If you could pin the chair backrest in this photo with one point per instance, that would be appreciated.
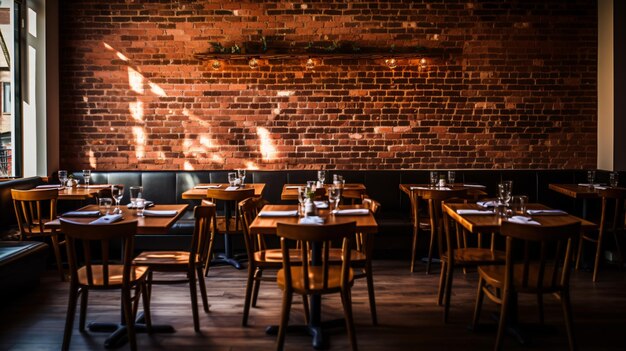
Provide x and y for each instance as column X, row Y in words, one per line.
column 373, row 205
column 234, row 195
column 315, row 250
column 612, row 199
column 33, row 208
column 249, row 209
column 203, row 232
column 90, row 236
column 538, row 257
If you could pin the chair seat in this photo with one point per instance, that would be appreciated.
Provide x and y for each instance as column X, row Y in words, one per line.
column 355, row 256
column 476, row 256
column 275, row 256
column 115, row 275
column 163, row 258
column 494, row 276
column 315, row 279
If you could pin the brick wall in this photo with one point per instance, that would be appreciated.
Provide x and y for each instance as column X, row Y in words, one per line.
column 509, row 85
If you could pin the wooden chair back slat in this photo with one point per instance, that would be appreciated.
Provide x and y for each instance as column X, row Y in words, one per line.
column 87, row 257
column 235, row 195
column 204, row 233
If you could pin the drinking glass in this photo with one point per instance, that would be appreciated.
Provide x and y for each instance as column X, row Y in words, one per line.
column 140, row 205
column 117, row 191
column 241, row 174
column 104, row 204
column 434, row 178
column 310, row 185
column 62, row 177
column 613, row 179
column 518, row 205
column 86, row 176
column 321, row 176
column 338, row 180
column 232, row 178
column 504, row 191
column 451, row 176
column 334, row 196
column 135, row 192
column 591, row 177
column 301, row 199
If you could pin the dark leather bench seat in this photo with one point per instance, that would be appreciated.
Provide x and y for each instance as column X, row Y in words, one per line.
column 21, row 265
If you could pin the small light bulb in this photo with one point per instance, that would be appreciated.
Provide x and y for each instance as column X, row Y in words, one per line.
column 422, row 63
column 216, row 65
column 391, row 63
column 310, row 64
column 253, row 63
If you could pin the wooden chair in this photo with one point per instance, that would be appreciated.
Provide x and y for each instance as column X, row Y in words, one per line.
column 103, row 275
column 538, row 260
column 456, row 253
column 612, row 199
column 315, row 273
column 189, row 262
column 33, row 209
column 224, row 223
column 433, row 198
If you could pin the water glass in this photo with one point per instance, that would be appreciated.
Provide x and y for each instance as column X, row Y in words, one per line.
column 104, row 204
column 518, row 205
column 117, row 191
column 310, row 185
column 241, row 174
column 614, row 179
column 232, row 178
column 338, row 180
column 451, row 177
column 434, row 178
column 321, row 176
column 86, row 176
column 334, row 196
column 504, row 192
column 140, row 205
column 135, row 192
column 62, row 177
column 591, row 178
column 301, row 199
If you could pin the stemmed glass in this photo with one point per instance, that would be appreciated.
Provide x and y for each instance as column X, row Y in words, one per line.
column 321, row 176
column 591, row 177
column 117, row 191
column 504, row 192
column 62, row 177
column 334, row 196
column 86, row 177
column 241, row 174
column 301, row 199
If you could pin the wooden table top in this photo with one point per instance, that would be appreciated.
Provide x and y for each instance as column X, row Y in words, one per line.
column 480, row 223
column 472, row 189
column 267, row 225
column 199, row 194
column 351, row 190
column 575, row 191
column 81, row 192
column 145, row 225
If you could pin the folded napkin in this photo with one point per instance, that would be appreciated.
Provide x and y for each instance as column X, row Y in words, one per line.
column 587, row 184
column 108, row 219
column 443, row 188
column 490, row 203
column 321, row 204
column 208, row 186
column 81, row 214
column 50, row 186
column 95, row 186
column 546, row 212
column 293, row 186
column 146, row 204
column 312, row 220
column 420, row 188
column 474, row 212
column 278, row 213
column 232, row 188
column 474, row 186
column 601, row 187
column 159, row 213
column 352, row 212
column 523, row 220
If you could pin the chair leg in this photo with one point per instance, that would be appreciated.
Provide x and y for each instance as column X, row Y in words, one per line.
column 596, row 263
column 480, row 294
column 194, row 301
column 567, row 313
column 540, row 307
column 370, row 292
column 448, row 292
column 284, row 320
column 257, row 284
column 128, row 316
column 209, row 257
column 146, row 306
column 84, row 296
column 248, row 298
column 442, row 280
column 57, row 255
column 347, row 310
column 69, row 318
column 305, row 305
column 503, row 319
column 205, row 300
column 414, row 252
column 580, row 251
column 430, row 249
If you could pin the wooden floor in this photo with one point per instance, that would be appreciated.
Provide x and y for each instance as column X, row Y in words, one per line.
column 409, row 317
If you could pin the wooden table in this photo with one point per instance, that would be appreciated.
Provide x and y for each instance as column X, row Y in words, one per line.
column 145, row 225
column 267, row 225
column 350, row 191
column 199, row 194
column 576, row 191
column 80, row 192
column 476, row 191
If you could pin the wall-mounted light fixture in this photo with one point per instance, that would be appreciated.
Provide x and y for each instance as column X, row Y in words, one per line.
column 253, row 63
column 391, row 63
column 310, row 64
column 216, row 65
column 423, row 63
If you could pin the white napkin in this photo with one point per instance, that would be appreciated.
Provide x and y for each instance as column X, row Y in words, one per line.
column 81, row 214
column 352, row 212
column 312, row 220
column 491, row 203
column 474, row 212
column 443, row 188
column 587, row 184
column 546, row 212
column 208, row 186
column 146, row 204
column 278, row 213
column 321, row 204
column 293, row 186
column 232, row 188
column 50, row 186
column 523, row 220
column 95, row 186
column 108, row 219
column 474, row 186
column 420, row 188
column 160, row 213
column 601, row 187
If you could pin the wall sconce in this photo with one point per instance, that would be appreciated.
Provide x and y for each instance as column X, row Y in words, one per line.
column 422, row 63
column 310, row 64
column 216, row 65
column 391, row 63
column 253, row 63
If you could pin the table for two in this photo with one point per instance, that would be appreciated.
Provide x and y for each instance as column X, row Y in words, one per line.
column 350, row 191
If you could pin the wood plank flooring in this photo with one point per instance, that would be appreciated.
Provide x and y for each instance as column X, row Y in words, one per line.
column 408, row 315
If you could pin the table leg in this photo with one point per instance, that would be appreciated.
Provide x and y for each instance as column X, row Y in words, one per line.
column 118, row 331
column 228, row 257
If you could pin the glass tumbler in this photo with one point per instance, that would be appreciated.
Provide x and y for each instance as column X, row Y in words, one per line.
column 518, row 205
column 104, row 205
column 140, row 205
column 135, row 192
column 62, row 177
column 614, row 179
column 434, row 178
column 451, row 176
column 591, row 177
column 232, row 178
